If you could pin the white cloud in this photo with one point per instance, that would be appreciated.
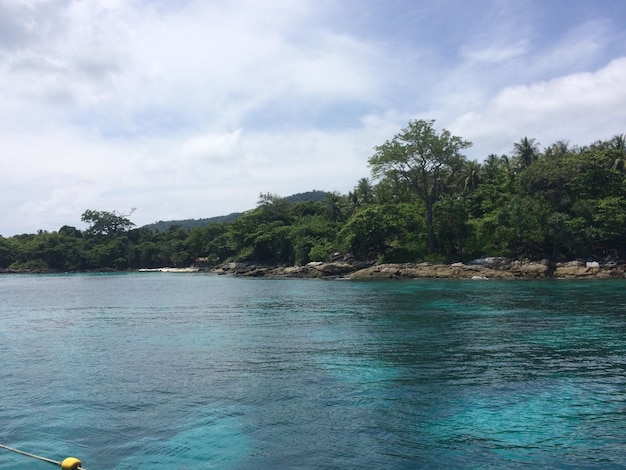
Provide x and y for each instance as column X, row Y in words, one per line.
column 581, row 108
column 496, row 53
column 211, row 146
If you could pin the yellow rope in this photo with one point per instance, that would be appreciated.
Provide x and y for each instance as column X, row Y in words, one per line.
column 69, row 463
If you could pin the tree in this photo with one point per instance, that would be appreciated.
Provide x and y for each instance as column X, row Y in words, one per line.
column 470, row 176
column 370, row 231
column 334, row 206
column 362, row 195
column 364, row 191
column 618, row 142
column 107, row 223
column 451, row 225
column 559, row 149
column 6, row 253
column 526, row 151
column 423, row 159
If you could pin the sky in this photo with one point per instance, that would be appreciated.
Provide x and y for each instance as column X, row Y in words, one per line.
column 193, row 108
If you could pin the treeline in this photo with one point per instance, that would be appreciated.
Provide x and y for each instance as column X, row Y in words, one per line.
column 425, row 202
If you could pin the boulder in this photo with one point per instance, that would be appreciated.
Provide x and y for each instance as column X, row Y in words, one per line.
column 491, row 262
column 335, row 268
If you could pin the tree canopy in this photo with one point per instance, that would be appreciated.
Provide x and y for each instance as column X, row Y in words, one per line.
column 106, row 223
column 424, row 159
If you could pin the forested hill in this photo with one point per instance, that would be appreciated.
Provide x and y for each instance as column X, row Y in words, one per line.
column 164, row 226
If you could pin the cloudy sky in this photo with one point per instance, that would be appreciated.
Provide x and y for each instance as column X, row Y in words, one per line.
column 191, row 108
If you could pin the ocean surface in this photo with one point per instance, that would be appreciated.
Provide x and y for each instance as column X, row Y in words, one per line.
column 199, row 371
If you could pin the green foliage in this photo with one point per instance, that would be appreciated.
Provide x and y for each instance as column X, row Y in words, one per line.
column 374, row 230
column 313, row 239
column 320, row 252
column 34, row 265
column 7, row 255
column 452, row 230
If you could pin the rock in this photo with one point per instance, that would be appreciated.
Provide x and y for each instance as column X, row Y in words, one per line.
column 491, row 261
column 533, row 269
column 338, row 268
column 292, row 270
column 257, row 272
column 570, row 264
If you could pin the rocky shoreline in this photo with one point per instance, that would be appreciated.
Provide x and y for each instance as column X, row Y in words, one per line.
column 484, row 268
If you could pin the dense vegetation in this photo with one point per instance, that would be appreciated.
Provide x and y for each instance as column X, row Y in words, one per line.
column 426, row 202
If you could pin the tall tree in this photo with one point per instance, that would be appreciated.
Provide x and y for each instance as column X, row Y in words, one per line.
column 423, row 158
column 559, row 149
column 364, row 191
column 494, row 168
column 362, row 194
column 334, row 202
column 618, row 142
column 107, row 223
column 526, row 151
column 470, row 175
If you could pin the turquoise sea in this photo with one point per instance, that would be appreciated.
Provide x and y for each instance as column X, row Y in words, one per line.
column 199, row 371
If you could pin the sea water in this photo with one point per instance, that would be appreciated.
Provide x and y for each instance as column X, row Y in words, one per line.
column 199, row 371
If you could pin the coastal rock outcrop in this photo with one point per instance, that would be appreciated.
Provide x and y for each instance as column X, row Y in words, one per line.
column 310, row 270
column 484, row 268
column 429, row 270
column 589, row 269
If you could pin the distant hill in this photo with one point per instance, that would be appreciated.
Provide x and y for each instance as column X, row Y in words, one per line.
column 308, row 196
column 164, row 226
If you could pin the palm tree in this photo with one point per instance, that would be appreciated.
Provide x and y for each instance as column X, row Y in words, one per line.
column 470, row 175
column 559, row 149
column 491, row 167
column 599, row 145
column 353, row 202
column 334, row 204
column 362, row 194
column 526, row 151
column 364, row 191
column 619, row 165
column 618, row 142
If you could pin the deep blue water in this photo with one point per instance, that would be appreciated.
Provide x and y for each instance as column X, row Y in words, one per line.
column 173, row 371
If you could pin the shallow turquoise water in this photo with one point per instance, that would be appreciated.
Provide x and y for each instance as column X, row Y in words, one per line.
column 172, row 371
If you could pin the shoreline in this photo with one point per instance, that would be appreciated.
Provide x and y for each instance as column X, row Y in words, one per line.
column 481, row 269
column 487, row 268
